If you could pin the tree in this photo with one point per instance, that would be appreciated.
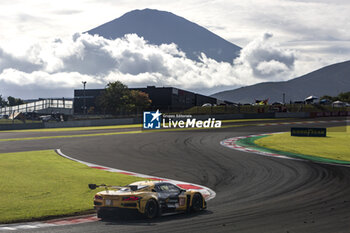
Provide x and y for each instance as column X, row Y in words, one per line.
column 140, row 99
column 3, row 102
column 345, row 97
column 12, row 101
column 327, row 97
column 117, row 98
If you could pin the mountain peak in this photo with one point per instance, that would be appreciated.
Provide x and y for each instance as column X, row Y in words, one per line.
column 162, row 27
column 147, row 11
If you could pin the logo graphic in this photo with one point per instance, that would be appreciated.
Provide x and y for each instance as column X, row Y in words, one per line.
column 151, row 120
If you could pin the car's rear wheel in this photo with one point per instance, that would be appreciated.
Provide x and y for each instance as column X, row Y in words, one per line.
column 197, row 202
column 103, row 214
column 151, row 209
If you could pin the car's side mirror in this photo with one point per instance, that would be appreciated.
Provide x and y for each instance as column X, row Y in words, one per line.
column 92, row 186
column 153, row 190
column 182, row 190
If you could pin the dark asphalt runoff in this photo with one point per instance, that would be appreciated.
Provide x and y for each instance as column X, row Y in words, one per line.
column 254, row 193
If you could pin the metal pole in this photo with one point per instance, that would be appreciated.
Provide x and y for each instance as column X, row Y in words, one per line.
column 84, row 84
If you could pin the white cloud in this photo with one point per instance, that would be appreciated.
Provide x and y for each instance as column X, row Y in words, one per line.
column 44, row 80
column 64, row 63
column 266, row 59
column 8, row 60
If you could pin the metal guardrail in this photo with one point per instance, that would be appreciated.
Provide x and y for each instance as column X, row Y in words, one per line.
column 38, row 106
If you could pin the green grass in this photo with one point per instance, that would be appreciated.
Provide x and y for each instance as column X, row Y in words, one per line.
column 8, row 121
column 335, row 146
column 39, row 184
column 71, row 136
column 77, row 128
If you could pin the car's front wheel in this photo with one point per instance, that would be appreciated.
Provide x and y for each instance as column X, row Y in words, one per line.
column 152, row 209
column 197, row 202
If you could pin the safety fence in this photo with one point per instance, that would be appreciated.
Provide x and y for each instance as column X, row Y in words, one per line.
column 38, row 106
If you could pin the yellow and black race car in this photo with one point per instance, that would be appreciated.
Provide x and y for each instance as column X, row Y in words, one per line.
column 150, row 198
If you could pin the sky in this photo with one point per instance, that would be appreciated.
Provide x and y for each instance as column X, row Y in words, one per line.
column 43, row 52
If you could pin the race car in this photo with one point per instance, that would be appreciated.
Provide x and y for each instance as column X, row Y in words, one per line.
column 150, row 198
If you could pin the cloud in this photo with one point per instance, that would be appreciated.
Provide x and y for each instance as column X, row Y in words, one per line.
column 8, row 60
column 323, row 1
column 67, row 12
column 266, row 59
column 63, row 63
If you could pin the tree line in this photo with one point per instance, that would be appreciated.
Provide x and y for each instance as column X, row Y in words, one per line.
column 343, row 96
column 10, row 101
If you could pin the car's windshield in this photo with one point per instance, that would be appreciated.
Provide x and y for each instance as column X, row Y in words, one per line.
column 134, row 187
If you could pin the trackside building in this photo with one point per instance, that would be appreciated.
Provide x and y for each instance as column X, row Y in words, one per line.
column 163, row 98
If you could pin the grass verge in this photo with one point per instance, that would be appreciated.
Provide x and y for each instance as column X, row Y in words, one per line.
column 76, row 128
column 40, row 184
column 8, row 121
column 335, row 146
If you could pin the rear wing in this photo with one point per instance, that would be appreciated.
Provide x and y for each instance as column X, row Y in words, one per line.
column 94, row 186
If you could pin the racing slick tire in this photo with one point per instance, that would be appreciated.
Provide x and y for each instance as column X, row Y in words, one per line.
column 152, row 209
column 197, row 202
column 103, row 214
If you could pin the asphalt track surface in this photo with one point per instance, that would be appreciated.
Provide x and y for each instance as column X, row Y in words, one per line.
column 253, row 193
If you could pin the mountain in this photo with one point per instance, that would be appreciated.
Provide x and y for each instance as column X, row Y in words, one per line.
column 330, row 80
column 159, row 27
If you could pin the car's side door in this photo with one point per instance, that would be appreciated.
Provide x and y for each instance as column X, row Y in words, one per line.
column 168, row 195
